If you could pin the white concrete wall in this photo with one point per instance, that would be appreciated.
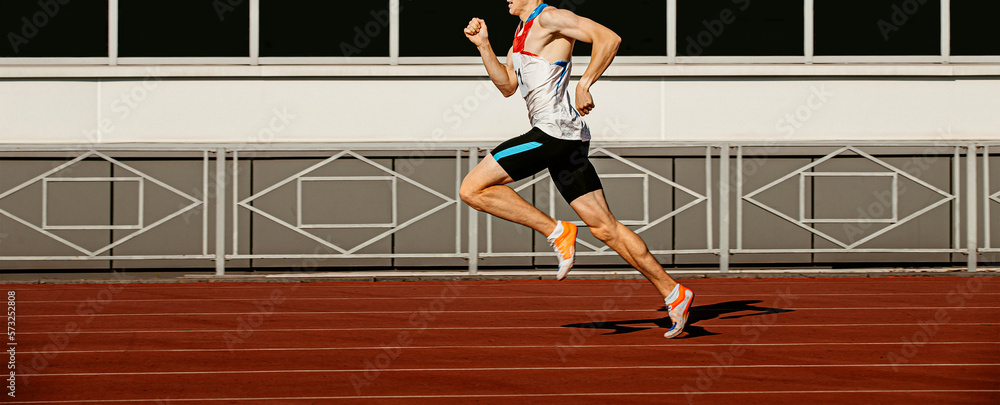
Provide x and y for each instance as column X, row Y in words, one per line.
column 468, row 108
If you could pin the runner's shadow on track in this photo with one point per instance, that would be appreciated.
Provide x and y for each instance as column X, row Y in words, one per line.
column 697, row 314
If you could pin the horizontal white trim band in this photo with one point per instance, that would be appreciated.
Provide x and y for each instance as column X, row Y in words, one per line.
column 12, row 71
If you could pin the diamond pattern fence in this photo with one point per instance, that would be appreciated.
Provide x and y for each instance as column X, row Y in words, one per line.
column 828, row 198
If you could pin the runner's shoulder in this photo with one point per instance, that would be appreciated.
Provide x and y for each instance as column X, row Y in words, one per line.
column 555, row 18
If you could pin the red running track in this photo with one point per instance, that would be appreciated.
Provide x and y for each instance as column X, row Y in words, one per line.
column 773, row 341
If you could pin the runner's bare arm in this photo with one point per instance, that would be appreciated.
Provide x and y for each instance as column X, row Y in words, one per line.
column 503, row 76
column 605, row 43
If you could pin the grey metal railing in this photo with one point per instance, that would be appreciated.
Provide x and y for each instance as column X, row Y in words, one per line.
column 726, row 184
column 990, row 197
column 61, row 172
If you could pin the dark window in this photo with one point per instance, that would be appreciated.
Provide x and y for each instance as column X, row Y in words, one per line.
column 324, row 28
column 54, row 28
column 975, row 27
column 878, row 27
column 434, row 28
column 184, row 28
column 642, row 24
column 740, row 28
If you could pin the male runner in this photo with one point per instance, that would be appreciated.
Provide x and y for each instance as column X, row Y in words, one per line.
column 539, row 64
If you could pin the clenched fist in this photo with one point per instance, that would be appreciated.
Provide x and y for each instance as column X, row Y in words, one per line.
column 584, row 100
column 476, row 32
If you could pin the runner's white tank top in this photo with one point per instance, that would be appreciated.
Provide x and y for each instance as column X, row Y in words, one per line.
column 545, row 88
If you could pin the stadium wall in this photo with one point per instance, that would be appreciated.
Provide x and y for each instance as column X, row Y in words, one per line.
column 162, row 104
column 649, row 115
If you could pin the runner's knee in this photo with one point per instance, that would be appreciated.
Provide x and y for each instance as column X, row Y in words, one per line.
column 604, row 233
column 470, row 194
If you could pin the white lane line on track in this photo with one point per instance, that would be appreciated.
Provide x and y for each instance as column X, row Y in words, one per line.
column 502, row 311
column 839, row 325
column 380, row 348
column 491, row 369
column 578, row 394
column 746, row 296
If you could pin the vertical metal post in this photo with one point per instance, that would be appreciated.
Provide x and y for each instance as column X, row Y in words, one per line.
column 671, row 31
column 113, row 32
column 987, row 243
column 458, row 199
column 724, row 208
column 489, row 234
column 254, row 32
column 393, row 32
column 810, row 30
column 739, row 197
column 45, row 203
column 945, row 31
column 956, row 190
column 236, row 197
column 708, row 194
column 204, row 203
column 473, row 222
column 220, row 212
column 970, row 192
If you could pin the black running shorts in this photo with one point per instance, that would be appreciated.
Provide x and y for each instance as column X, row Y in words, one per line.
column 567, row 161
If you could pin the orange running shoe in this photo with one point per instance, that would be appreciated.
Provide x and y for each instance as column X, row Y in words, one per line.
column 679, row 310
column 565, row 247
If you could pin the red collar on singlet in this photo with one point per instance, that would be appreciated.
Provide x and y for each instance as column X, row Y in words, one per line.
column 519, row 37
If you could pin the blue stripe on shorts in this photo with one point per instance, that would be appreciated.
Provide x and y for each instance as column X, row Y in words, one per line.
column 524, row 147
